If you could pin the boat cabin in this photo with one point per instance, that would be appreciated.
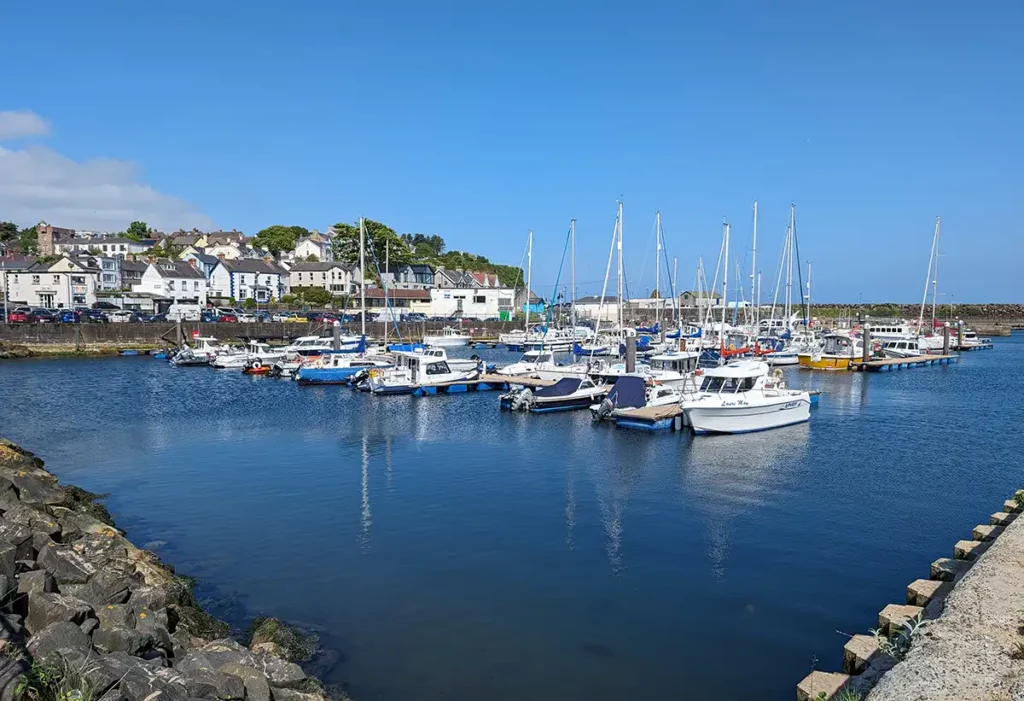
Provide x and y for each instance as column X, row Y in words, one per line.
column 838, row 344
column 683, row 362
column 890, row 331
column 738, row 376
column 905, row 348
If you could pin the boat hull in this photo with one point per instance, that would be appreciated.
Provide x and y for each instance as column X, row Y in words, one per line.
column 326, row 376
column 782, row 358
column 825, row 362
column 446, row 341
column 748, row 418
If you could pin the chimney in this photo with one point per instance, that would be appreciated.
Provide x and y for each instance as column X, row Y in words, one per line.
column 192, row 262
column 220, row 256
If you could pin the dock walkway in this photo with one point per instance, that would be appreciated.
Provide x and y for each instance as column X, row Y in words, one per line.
column 889, row 364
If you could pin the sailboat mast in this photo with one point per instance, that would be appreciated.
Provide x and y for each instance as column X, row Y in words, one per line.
column 935, row 276
column 789, row 263
column 657, row 269
column 387, row 309
column 675, row 290
column 619, row 248
column 529, row 278
column 928, row 277
column 808, row 294
column 725, row 285
column 362, row 273
column 572, row 293
column 755, row 300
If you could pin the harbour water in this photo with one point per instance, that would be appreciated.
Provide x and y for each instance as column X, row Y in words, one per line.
column 446, row 550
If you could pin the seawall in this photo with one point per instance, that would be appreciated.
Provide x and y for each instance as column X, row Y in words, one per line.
column 959, row 634
column 85, row 614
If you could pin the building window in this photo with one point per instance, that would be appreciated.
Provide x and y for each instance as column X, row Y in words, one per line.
column 479, row 299
column 56, row 279
column 196, row 286
column 170, row 285
column 78, row 279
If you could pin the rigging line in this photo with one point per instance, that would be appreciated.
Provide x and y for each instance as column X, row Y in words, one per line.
column 554, row 294
column 376, row 265
column 647, row 252
column 799, row 275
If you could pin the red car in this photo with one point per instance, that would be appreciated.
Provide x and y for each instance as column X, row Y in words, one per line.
column 230, row 318
column 21, row 315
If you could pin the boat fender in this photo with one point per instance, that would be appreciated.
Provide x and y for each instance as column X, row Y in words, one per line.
column 474, row 357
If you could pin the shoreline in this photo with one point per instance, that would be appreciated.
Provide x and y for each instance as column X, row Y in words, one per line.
column 82, row 609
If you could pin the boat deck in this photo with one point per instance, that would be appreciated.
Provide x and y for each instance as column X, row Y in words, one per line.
column 889, row 364
column 670, row 416
column 531, row 382
column 484, row 384
column 973, row 347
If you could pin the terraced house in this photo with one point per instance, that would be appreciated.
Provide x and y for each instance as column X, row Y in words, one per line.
column 62, row 284
column 173, row 282
column 248, row 279
column 336, row 278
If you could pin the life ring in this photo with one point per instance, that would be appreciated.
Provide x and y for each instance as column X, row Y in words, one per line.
column 732, row 346
column 257, row 365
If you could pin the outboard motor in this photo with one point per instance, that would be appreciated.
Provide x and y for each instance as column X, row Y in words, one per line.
column 605, row 409
column 522, row 401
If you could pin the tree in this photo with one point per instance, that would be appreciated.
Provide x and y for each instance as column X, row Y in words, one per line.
column 28, row 240
column 278, row 238
column 381, row 242
column 249, row 303
column 316, row 296
column 311, row 258
column 137, row 231
column 8, row 231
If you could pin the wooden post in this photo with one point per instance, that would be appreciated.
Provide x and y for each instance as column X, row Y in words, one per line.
column 867, row 343
column 336, row 342
column 945, row 338
column 631, row 353
column 179, row 334
column 959, row 333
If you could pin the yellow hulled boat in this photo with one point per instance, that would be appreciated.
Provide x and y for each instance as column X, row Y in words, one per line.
column 837, row 352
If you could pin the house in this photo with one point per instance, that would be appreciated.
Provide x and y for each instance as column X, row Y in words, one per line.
column 110, row 272
column 131, row 272
column 48, row 237
column 194, row 239
column 689, row 299
column 173, row 282
column 485, row 279
column 204, row 262
column 108, row 246
column 336, row 278
column 591, row 308
column 417, row 276
column 248, row 279
column 454, row 279
column 62, row 284
column 401, row 301
column 315, row 245
column 225, row 251
column 482, row 303
column 217, row 237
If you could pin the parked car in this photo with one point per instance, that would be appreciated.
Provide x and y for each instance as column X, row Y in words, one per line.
column 119, row 317
column 20, row 315
column 296, row 318
column 263, row 317
column 208, row 317
column 245, row 317
column 70, row 316
column 106, row 305
column 43, row 316
column 156, row 318
column 93, row 315
column 227, row 318
column 415, row 317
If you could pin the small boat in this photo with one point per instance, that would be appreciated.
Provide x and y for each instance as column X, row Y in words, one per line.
column 413, row 370
column 206, row 349
column 307, row 346
column 449, row 337
column 337, row 368
column 674, row 368
column 455, row 364
column 530, row 363
column 128, row 351
column 904, row 348
column 836, row 352
column 566, row 394
column 287, row 366
column 628, row 392
column 743, row 397
column 160, row 355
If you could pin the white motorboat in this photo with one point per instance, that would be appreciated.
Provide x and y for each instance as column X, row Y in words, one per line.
column 456, row 364
column 448, row 337
column 674, row 368
column 309, row 345
column 904, row 348
column 531, row 362
column 335, row 368
column 631, row 392
column 206, row 348
column 418, row 369
column 240, row 357
column 742, row 397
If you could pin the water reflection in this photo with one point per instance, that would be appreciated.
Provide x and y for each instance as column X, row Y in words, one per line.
column 365, row 516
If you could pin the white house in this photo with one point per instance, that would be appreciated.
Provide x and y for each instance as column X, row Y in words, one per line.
column 107, row 246
column 313, row 245
column 248, row 279
column 591, row 308
column 62, row 284
column 227, row 251
column 175, row 281
column 480, row 303
column 336, row 278
column 203, row 262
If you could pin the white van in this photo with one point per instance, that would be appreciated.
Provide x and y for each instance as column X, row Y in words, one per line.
column 184, row 312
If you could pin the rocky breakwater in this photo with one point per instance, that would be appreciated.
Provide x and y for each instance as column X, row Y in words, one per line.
column 10, row 350
column 84, row 614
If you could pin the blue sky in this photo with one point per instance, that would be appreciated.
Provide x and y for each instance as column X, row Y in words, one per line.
column 479, row 121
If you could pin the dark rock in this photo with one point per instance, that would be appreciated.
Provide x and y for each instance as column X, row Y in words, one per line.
column 33, row 490
column 279, row 638
column 227, row 651
column 117, row 638
column 203, row 680
column 24, row 515
column 279, row 673
column 89, row 625
column 102, row 672
column 115, row 615
column 157, row 634
column 12, row 670
column 257, row 688
column 153, row 598
column 294, row 695
column 181, row 642
column 104, row 588
column 67, row 566
column 57, row 641
column 100, row 549
column 48, row 526
column 142, row 682
column 10, row 629
column 45, row 608
column 20, row 537
column 27, row 565
column 7, row 587
column 8, row 554
column 36, row 581
column 156, row 657
column 144, row 616
column 200, row 624
column 39, row 541
column 113, row 694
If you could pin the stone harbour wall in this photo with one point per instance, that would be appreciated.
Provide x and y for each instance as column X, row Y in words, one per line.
column 84, row 614
column 967, row 620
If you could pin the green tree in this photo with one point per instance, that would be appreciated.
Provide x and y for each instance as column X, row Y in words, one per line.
column 8, row 231
column 249, row 303
column 381, row 242
column 28, row 240
column 316, row 296
column 137, row 231
column 278, row 238
column 311, row 258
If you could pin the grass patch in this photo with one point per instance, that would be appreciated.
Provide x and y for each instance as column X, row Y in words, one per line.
column 49, row 683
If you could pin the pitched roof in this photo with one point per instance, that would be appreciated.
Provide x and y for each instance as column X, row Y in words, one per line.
column 135, row 266
column 304, row 267
column 595, row 299
column 17, row 262
column 177, row 269
column 253, row 266
column 97, row 241
column 207, row 259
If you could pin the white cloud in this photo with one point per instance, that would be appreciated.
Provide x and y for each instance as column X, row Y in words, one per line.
column 14, row 125
column 37, row 183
